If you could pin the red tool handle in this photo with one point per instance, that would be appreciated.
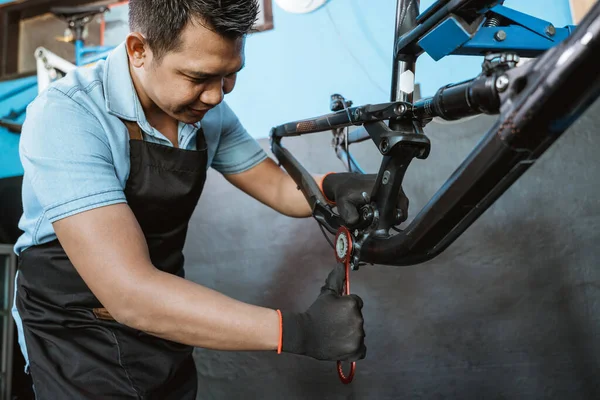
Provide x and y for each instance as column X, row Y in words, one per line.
column 346, row 379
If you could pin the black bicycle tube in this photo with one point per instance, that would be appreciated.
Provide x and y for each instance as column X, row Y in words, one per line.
column 425, row 15
column 340, row 119
column 352, row 116
column 299, row 174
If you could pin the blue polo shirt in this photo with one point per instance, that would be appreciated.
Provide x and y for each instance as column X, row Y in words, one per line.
column 75, row 149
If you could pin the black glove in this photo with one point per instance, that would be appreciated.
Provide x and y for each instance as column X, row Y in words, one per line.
column 346, row 190
column 331, row 329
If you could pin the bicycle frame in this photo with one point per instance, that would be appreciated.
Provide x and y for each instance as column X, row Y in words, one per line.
column 535, row 103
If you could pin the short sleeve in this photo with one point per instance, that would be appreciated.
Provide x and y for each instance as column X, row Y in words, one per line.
column 237, row 151
column 67, row 158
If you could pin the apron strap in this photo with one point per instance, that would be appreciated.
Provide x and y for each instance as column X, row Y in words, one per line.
column 102, row 313
column 135, row 133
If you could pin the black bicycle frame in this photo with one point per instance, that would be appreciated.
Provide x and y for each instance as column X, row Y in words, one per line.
column 536, row 103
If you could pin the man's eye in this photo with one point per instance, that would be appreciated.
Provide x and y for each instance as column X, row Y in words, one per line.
column 198, row 80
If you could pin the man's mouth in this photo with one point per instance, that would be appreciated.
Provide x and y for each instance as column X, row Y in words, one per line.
column 199, row 111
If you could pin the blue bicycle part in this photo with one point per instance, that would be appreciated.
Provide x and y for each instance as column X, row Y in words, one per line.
column 499, row 29
column 77, row 18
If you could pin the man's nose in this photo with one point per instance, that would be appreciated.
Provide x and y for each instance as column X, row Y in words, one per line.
column 213, row 95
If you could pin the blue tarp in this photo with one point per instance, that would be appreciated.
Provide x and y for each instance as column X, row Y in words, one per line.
column 15, row 95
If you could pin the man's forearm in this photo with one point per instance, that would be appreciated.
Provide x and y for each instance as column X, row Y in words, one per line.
column 109, row 251
column 175, row 309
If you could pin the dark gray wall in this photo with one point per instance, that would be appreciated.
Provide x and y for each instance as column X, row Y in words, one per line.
column 510, row 311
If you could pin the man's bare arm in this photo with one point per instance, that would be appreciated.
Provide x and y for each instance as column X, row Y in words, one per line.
column 272, row 186
column 108, row 249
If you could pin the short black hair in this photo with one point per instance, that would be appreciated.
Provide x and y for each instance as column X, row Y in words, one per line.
column 162, row 21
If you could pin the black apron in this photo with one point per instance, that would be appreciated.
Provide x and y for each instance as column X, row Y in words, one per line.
column 76, row 350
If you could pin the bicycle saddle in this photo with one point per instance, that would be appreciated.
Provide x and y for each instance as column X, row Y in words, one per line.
column 79, row 12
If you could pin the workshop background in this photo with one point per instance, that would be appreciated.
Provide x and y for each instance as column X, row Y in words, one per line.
column 509, row 311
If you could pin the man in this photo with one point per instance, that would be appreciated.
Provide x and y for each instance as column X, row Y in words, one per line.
column 115, row 159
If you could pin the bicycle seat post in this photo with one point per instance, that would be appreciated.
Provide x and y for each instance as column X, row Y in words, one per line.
column 77, row 18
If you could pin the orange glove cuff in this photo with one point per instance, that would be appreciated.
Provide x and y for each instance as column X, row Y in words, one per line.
column 321, row 187
column 279, row 347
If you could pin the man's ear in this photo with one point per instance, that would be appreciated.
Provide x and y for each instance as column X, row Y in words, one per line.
column 137, row 49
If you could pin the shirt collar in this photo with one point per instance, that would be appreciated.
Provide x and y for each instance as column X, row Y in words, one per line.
column 119, row 92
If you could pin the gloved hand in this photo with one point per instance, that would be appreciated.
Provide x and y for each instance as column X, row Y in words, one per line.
column 346, row 189
column 332, row 327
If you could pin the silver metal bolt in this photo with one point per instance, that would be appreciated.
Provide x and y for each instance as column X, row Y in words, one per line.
column 386, row 177
column 399, row 215
column 550, row 30
column 500, row 36
column 365, row 197
column 502, row 83
column 384, row 145
column 401, row 109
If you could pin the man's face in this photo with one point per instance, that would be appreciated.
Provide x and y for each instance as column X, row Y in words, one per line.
column 194, row 78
